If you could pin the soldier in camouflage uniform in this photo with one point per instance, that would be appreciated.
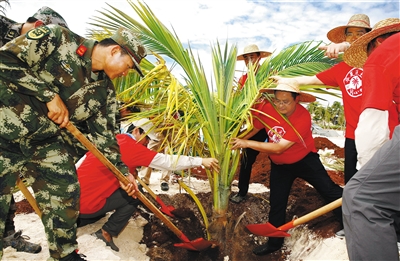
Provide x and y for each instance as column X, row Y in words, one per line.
column 48, row 77
column 10, row 30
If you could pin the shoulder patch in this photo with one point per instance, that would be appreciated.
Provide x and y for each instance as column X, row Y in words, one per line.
column 38, row 32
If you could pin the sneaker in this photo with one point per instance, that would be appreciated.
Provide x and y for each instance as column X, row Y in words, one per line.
column 237, row 198
column 99, row 235
column 164, row 186
column 340, row 233
column 73, row 257
column 19, row 242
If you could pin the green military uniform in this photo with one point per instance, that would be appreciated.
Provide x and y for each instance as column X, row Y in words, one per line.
column 10, row 30
column 33, row 68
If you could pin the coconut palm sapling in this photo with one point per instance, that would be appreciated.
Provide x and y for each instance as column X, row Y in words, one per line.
column 213, row 113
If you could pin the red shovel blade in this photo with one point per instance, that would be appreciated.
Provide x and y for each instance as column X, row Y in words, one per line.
column 266, row 230
column 164, row 208
column 198, row 244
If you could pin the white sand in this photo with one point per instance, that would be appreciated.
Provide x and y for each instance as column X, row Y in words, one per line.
column 303, row 244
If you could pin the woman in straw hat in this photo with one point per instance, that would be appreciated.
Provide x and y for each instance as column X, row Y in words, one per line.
column 371, row 203
column 342, row 36
column 373, row 95
column 292, row 152
column 251, row 55
column 349, row 80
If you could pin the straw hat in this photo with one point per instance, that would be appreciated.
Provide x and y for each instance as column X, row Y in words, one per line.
column 337, row 34
column 252, row 48
column 357, row 54
column 291, row 86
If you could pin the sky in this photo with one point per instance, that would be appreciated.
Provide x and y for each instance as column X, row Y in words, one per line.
column 272, row 25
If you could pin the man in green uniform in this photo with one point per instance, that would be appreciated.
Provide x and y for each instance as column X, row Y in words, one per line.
column 48, row 77
column 9, row 31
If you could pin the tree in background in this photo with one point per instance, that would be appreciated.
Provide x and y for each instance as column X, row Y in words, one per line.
column 327, row 116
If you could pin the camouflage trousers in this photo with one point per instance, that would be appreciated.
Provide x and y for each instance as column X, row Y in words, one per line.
column 31, row 144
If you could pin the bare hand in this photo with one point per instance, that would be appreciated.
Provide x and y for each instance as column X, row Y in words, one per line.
column 238, row 143
column 211, row 163
column 130, row 188
column 279, row 79
column 58, row 112
column 332, row 50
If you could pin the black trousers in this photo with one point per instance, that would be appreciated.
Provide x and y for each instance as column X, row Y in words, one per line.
column 350, row 159
column 124, row 207
column 246, row 163
column 282, row 177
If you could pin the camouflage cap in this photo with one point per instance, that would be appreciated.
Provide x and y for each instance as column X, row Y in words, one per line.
column 49, row 16
column 127, row 40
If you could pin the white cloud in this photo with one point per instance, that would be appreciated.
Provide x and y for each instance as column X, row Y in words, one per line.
column 272, row 25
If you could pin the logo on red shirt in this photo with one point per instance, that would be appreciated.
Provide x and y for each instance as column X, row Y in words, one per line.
column 353, row 82
column 276, row 133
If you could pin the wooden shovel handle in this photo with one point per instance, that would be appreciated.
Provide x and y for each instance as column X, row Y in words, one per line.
column 78, row 135
column 146, row 187
column 28, row 196
column 319, row 212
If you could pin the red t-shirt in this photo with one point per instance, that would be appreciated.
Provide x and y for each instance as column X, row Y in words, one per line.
column 382, row 80
column 258, row 103
column 349, row 79
column 301, row 121
column 98, row 182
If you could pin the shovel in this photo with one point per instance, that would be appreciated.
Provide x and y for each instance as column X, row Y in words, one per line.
column 199, row 244
column 164, row 208
column 268, row 230
column 28, row 196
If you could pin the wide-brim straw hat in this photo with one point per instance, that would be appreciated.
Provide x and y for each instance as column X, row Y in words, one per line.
column 338, row 34
column 291, row 86
column 357, row 55
column 252, row 48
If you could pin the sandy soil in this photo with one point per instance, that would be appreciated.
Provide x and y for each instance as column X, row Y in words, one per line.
column 158, row 242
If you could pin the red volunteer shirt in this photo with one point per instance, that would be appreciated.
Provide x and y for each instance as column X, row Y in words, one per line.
column 259, row 103
column 349, row 79
column 382, row 86
column 301, row 121
column 98, row 182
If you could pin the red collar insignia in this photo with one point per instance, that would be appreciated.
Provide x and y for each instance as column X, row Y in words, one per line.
column 81, row 50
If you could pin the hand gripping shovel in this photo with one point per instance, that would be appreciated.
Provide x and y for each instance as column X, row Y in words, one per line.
column 268, row 230
column 164, row 208
column 195, row 245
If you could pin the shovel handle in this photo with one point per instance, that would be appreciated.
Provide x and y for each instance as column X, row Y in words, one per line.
column 152, row 194
column 312, row 215
column 78, row 135
column 28, row 196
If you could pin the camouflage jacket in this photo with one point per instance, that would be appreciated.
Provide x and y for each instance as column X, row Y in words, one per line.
column 9, row 30
column 51, row 59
